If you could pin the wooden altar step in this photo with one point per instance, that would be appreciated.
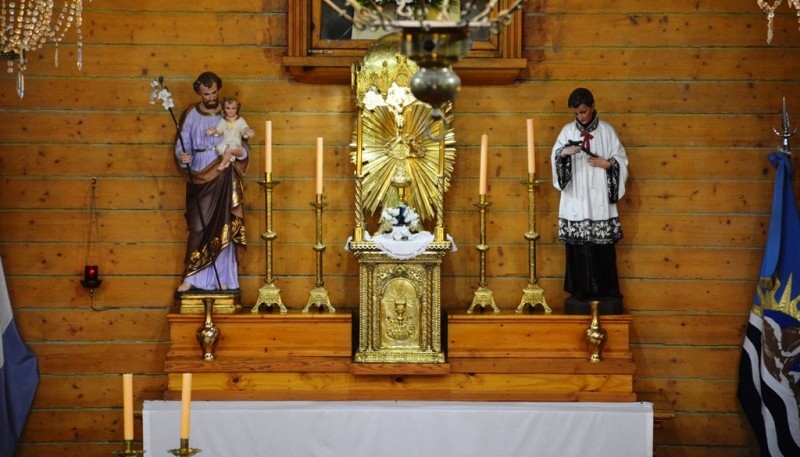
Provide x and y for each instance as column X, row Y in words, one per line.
column 503, row 357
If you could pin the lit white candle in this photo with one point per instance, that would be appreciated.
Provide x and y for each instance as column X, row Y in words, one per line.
column 484, row 152
column 127, row 405
column 268, row 147
column 186, row 403
column 319, row 165
column 531, row 153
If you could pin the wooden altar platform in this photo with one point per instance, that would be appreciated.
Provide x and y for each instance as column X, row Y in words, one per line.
column 490, row 357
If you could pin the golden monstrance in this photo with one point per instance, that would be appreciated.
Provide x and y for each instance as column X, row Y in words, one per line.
column 404, row 162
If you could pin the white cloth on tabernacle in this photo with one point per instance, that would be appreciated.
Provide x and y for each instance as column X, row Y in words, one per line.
column 584, row 197
column 400, row 244
column 401, row 249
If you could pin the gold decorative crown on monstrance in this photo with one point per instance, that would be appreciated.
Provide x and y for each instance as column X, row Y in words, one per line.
column 403, row 167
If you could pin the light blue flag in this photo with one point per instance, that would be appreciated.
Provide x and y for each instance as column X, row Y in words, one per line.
column 19, row 375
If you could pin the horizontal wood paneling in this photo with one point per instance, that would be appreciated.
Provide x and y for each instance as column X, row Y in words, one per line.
column 89, row 325
column 145, row 291
column 156, row 127
column 96, row 391
column 155, row 226
column 79, row 449
column 100, row 358
column 695, row 395
column 685, row 361
column 641, row 28
column 131, row 60
column 647, row 63
column 725, row 197
column 131, row 93
column 647, row 262
column 159, row 27
column 705, row 429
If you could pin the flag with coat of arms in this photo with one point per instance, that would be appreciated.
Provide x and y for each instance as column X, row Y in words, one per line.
column 769, row 368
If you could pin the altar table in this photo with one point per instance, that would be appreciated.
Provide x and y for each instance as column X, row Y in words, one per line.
column 402, row 428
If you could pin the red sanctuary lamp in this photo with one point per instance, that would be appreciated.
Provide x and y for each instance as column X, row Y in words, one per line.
column 91, row 271
column 91, row 277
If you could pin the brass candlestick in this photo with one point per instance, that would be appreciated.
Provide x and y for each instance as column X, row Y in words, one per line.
column 184, row 450
column 319, row 296
column 533, row 294
column 483, row 296
column 128, row 452
column 269, row 295
column 358, row 233
column 439, row 232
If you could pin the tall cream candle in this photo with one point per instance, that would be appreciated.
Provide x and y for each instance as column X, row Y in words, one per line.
column 531, row 153
column 484, row 152
column 186, row 404
column 319, row 165
column 268, row 148
column 127, row 405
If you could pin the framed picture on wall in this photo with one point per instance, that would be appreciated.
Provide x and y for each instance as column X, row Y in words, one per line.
column 322, row 46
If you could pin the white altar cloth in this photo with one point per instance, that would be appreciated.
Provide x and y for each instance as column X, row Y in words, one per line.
column 402, row 429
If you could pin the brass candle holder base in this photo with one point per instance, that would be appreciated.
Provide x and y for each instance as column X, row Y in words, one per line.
column 533, row 295
column 483, row 297
column 184, row 450
column 319, row 297
column 128, row 452
column 269, row 296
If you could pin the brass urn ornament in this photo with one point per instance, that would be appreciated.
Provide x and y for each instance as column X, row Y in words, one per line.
column 208, row 333
column 595, row 335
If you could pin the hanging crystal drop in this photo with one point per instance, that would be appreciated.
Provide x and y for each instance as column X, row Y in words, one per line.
column 56, row 56
column 770, row 17
column 80, row 58
column 20, row 84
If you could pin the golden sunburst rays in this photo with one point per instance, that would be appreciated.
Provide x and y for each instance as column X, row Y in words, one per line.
column 390, row 149
column 786, row 304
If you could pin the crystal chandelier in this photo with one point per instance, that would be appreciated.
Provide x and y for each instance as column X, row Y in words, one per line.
column 435, row 34
column 770, row 10
column 27, row 25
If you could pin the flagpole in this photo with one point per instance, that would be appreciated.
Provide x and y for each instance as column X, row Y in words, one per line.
column 768, row 401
